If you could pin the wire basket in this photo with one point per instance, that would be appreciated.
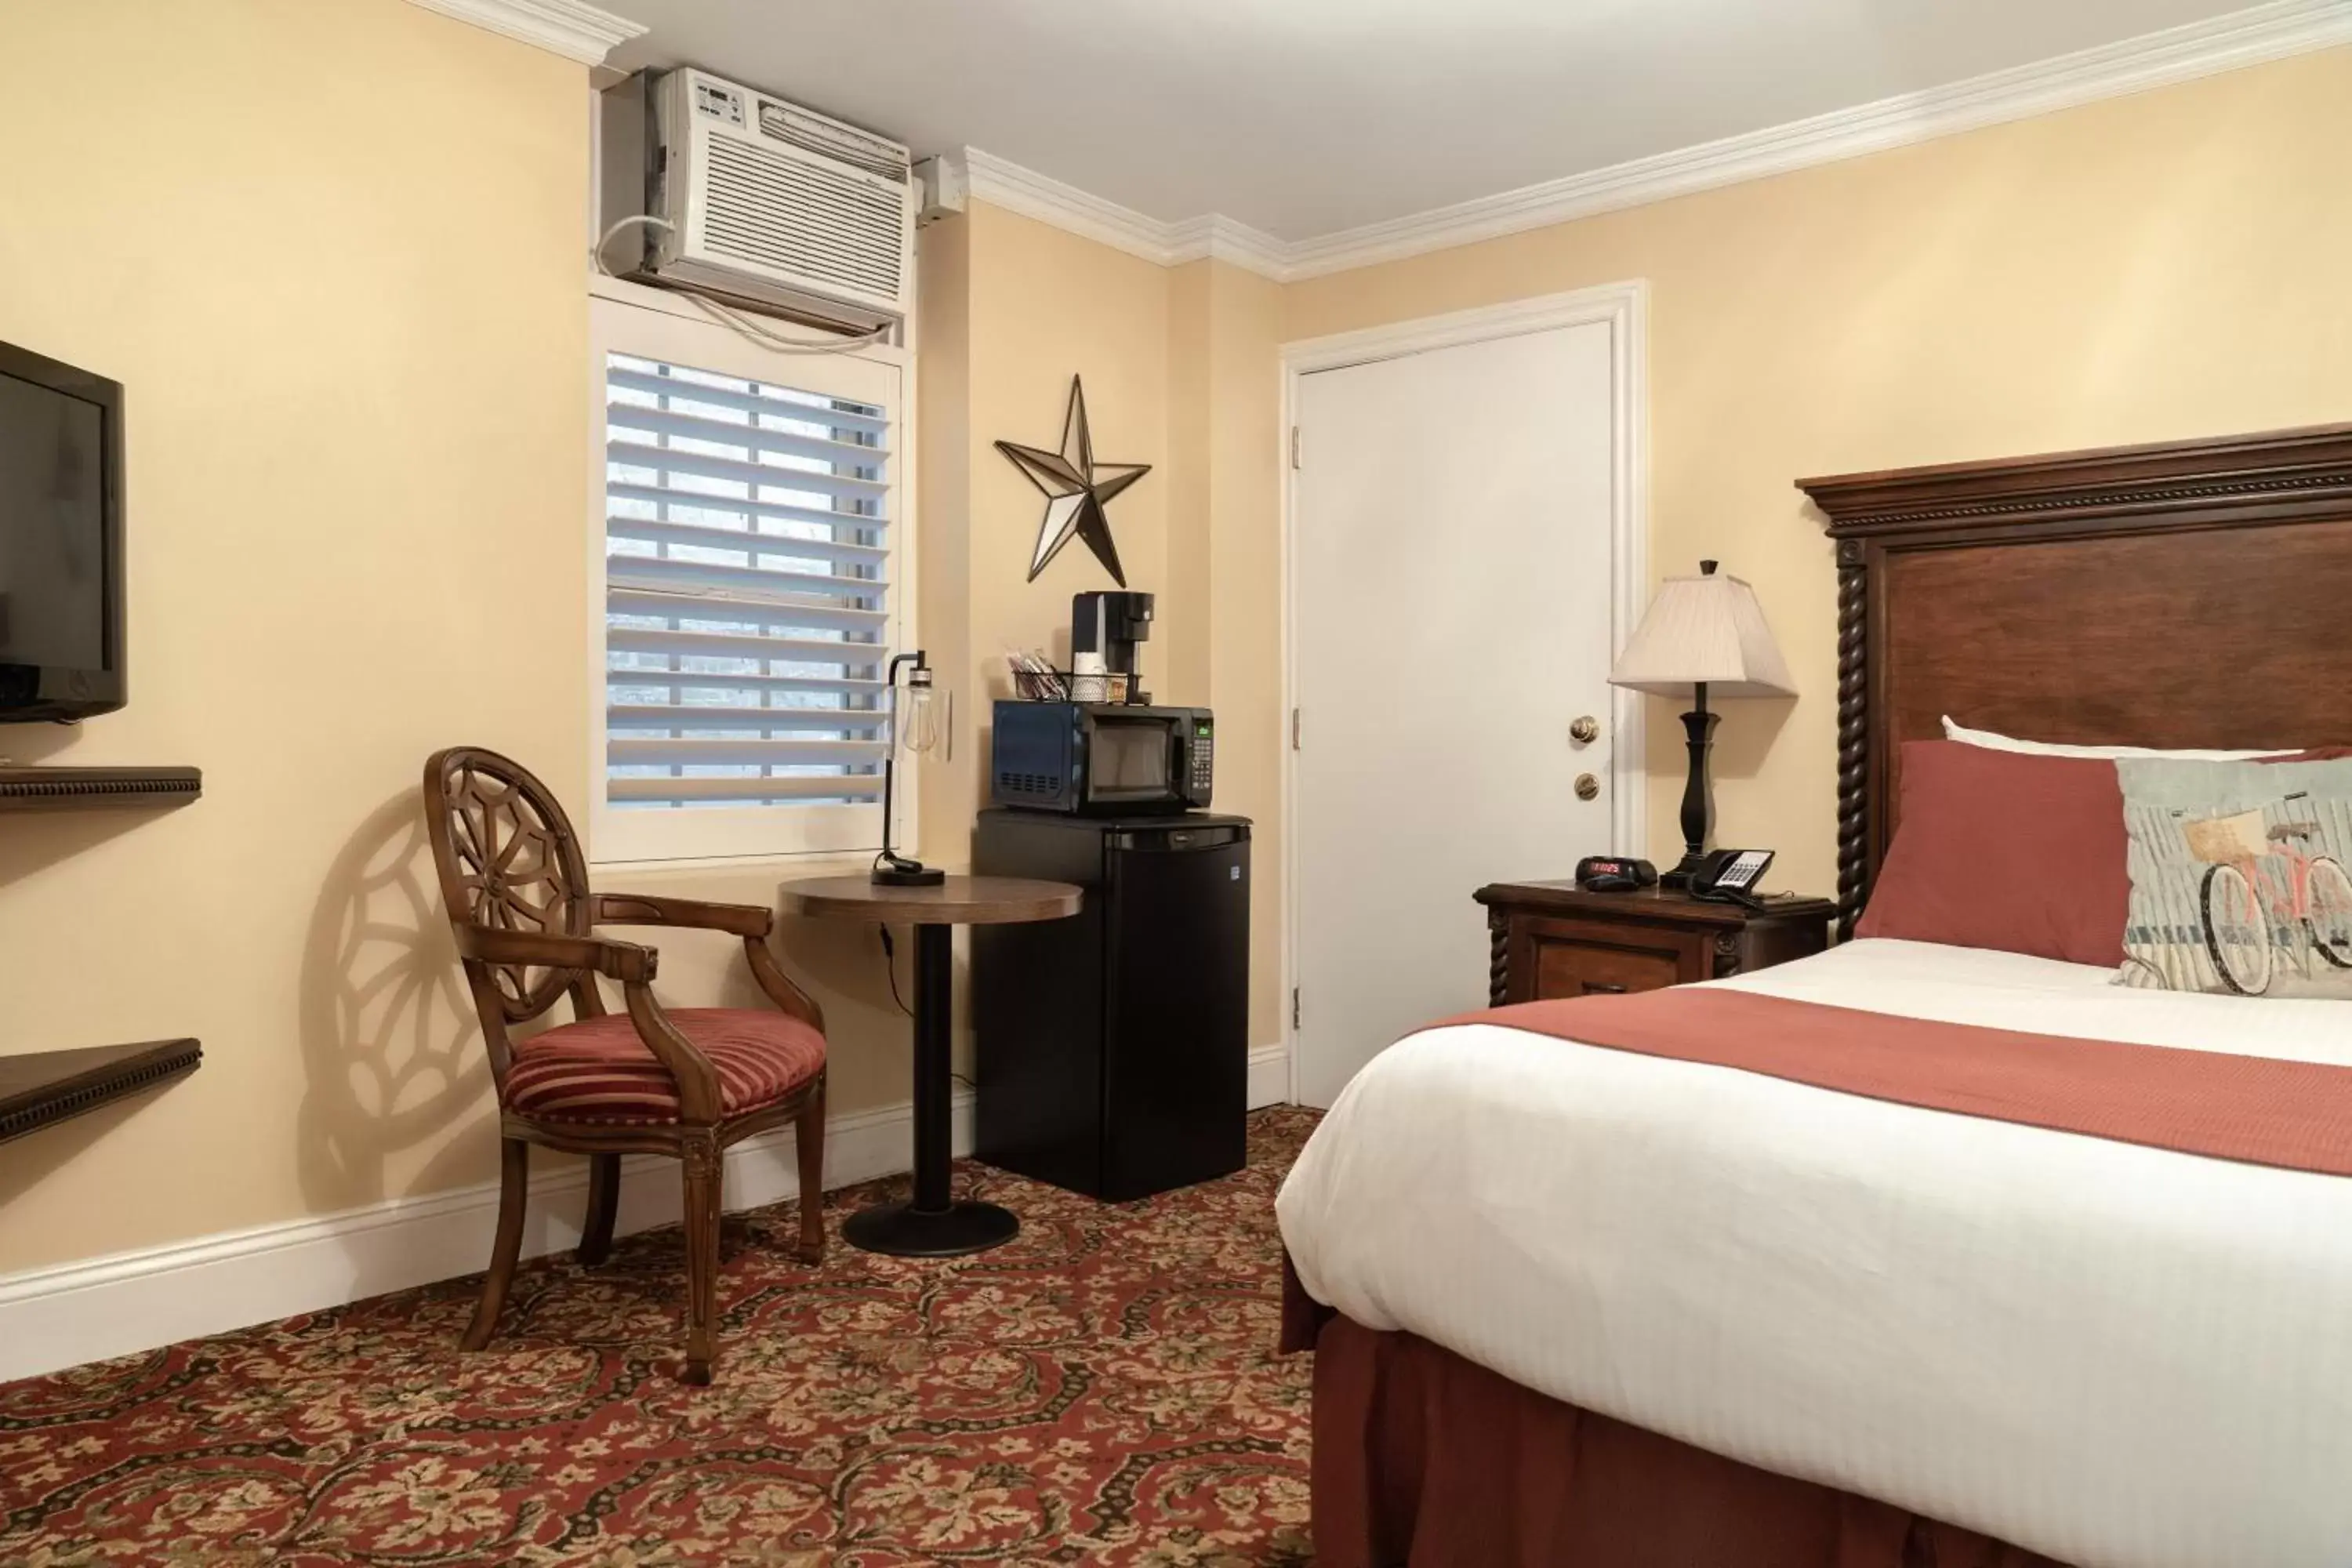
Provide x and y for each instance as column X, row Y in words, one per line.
column 1041, row 685
column 2226, row 840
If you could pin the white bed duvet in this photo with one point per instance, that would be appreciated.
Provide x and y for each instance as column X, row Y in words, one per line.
column 2112, row 1354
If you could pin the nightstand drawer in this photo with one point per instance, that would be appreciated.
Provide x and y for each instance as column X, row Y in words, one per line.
column 1553, row 939
column 1571, row 958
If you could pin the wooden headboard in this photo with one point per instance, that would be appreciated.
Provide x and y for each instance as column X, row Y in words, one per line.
column 2192, row 593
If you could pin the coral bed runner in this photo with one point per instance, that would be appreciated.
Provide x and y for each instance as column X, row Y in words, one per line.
column 1104, row 1390
column 2262, row 1110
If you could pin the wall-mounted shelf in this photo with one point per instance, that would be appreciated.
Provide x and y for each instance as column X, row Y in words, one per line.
column 44, row 1087
column 59, row 789
column 39, row 1088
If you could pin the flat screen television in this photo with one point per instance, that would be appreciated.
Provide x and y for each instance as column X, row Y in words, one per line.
column 60, row 540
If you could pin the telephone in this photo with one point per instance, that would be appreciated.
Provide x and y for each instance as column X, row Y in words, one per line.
column 1730, row 876
column 1614, row 874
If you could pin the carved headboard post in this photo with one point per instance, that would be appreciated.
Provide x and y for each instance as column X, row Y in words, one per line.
column 2187, row 594
column 1854, row 732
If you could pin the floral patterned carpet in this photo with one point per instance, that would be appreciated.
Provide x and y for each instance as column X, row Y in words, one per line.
column 1102, row 1390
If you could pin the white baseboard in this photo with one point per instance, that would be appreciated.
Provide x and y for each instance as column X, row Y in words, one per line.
column 1269, row 1075
column 77, row 1312
column 131, row 1301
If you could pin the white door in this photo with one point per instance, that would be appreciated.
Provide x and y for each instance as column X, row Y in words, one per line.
column 1450, row 558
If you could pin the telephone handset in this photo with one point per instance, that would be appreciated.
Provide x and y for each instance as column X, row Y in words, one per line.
column 1730, row 876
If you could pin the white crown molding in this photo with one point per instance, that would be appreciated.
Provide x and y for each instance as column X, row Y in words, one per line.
column 566, row 28
column 2256, row 36
column 1001, row 183
column 1228, row 239
column 2158, row 60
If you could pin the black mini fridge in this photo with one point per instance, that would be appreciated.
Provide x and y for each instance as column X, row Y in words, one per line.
column 1112, row 1049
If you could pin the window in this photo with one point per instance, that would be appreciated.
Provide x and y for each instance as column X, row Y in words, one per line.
column 749, row 600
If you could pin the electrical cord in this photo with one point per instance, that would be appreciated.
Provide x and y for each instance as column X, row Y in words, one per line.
column 890, row 967
column 733, row 320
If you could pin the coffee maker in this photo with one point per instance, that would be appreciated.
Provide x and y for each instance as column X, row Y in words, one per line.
column 1111, row 623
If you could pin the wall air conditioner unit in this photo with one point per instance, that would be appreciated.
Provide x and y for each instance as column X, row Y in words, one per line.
column 767, row 204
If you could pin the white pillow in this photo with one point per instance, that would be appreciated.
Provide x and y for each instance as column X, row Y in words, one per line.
column 1993, row 743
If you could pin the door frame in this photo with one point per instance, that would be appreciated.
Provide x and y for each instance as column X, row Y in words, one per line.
column 1625, row 309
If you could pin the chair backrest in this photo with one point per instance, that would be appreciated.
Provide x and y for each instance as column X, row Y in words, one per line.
column 508, row 861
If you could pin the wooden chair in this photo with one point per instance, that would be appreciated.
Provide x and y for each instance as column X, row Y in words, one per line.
column 685, row 1083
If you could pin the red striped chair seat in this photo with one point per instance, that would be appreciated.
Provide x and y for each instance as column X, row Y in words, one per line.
column 600, row 1071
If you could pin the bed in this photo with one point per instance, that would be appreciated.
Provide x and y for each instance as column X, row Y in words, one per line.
column 1582, row 1305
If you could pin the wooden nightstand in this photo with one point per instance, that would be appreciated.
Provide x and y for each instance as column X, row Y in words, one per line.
column 1552, row 939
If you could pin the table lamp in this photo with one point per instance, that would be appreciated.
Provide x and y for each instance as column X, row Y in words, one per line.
column 1702, row 637
column 919, row 725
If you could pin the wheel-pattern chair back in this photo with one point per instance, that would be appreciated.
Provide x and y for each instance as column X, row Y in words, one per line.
column 508, row 861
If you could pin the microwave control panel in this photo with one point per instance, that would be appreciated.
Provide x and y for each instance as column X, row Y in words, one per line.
column 1205, row 757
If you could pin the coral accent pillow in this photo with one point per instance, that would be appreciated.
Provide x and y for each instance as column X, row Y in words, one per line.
column 2239, row 878
column 2006, row 851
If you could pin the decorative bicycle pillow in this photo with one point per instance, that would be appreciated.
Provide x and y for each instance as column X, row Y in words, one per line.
column 2238, row 877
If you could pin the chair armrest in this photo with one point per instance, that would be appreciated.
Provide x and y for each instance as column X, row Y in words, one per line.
column 749, row 921
column 698, row 1097
column 772, row 979
column 643, row 910
column 632, row 966
column 625, row 961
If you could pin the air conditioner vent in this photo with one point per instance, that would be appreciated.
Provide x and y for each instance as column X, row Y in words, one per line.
column 801, row 217
column 804, row 214
column 831, row 139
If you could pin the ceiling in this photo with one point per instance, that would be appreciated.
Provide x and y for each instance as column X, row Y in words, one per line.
column 1305, row 116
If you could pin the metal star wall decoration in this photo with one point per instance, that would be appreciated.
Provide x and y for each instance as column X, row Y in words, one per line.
column 1076, row 489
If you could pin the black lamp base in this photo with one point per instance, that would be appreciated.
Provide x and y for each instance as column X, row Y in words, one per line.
column 1679, row 876
column 1698, row 798
column 907, row 874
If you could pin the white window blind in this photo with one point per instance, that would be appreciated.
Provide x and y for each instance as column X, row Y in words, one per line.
column 748, row 614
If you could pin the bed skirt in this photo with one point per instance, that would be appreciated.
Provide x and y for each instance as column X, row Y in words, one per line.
column 1424, row 1459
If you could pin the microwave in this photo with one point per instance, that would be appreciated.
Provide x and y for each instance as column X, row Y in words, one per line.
column 1102, row 759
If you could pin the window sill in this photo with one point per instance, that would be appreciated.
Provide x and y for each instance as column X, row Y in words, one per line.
column 750, row 879
column 812, row 862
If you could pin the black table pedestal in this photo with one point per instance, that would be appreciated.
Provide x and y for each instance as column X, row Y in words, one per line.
column 932, row 1223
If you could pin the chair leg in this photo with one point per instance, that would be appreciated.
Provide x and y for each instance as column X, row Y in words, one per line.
column 514, row 1183
column 808, row 1143
column 604, row 1202
column 703, row 1201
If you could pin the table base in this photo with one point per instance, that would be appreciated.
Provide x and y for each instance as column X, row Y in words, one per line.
column 903, row 1230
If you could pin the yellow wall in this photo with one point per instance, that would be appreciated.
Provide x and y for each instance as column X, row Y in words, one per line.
column 334, row 252
column 1179, row 367
column 2175, row 264
column 357, row 370
column 1242, row 596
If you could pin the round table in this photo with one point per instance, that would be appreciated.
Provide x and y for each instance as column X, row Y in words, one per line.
column 932, row 1223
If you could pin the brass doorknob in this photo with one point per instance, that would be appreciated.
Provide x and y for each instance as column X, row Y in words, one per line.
column 1585, row 730
column 1587, row 786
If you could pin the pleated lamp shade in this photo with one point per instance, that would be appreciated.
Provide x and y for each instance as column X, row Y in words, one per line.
column 1704, row 630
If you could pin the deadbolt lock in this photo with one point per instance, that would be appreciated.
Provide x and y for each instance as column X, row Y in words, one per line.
column 1585, row 730
column 1587, row 786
